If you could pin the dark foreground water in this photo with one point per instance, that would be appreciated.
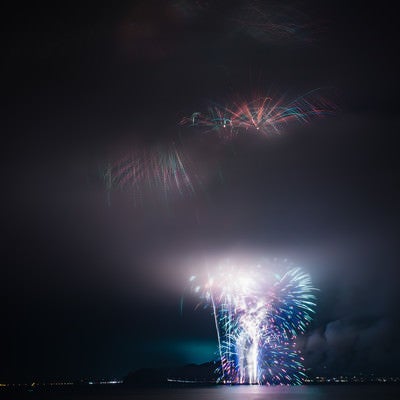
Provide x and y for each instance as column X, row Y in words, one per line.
column 271, row 393
column 322, row 392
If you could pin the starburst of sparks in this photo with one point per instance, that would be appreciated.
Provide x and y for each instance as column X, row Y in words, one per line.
column 257, row 318
column 273, row 22
column 262, row 115
column 162, row 171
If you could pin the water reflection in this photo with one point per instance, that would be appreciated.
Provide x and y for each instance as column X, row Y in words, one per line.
column 317, row 392
column 344, row 392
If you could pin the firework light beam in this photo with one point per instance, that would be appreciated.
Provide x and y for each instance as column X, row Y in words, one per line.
column 257, row 318
column 261, row 115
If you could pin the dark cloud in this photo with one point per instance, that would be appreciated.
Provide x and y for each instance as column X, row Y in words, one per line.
column 350, row 346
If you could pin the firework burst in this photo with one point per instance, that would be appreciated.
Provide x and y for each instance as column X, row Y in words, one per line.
column 261, row 115
column 257, row 318
column 162, row 171
column 272, row 22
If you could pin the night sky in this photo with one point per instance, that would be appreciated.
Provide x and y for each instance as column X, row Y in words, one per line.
column 92, row 287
